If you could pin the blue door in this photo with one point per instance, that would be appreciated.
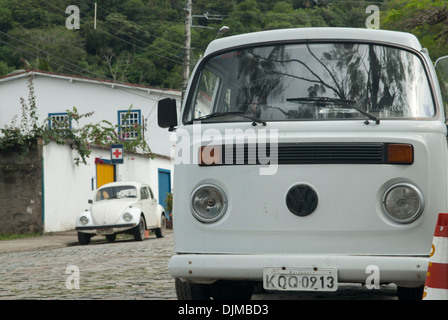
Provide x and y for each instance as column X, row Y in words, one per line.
column 164, row 186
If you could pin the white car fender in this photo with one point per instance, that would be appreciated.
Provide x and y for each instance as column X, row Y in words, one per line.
column 135, row 212
column 88, row 215
column 160, row 211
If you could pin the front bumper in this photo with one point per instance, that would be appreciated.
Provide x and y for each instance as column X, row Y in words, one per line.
column 106, row 229
column 207, row 268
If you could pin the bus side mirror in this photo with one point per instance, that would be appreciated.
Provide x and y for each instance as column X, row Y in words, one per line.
column 167, row 113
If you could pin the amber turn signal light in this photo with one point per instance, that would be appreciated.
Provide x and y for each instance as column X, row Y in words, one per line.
column 400, row 153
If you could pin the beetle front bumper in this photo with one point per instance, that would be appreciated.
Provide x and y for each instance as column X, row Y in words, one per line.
column 106, row 229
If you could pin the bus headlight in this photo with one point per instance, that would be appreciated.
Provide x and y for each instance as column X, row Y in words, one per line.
column 403, row 202
column 208, row 203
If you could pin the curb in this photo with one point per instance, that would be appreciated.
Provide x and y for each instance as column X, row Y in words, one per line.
column 51, row 240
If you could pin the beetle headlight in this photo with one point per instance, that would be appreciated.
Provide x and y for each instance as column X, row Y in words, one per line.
column 127, row 217
column 84, row 220
column 403, row 202
column 208, row 203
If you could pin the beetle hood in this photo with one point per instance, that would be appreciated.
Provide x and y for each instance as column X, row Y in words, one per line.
column 109, row 211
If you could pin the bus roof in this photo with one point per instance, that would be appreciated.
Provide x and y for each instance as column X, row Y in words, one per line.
column 313, row 34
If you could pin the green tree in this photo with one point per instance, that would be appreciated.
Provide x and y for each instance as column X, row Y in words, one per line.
column 427, row 19
column 5, row 17
column 4, row 68
column 30, row 13
column 249, row 15
column 59, row 47
column 147, row 36
column 167, row 57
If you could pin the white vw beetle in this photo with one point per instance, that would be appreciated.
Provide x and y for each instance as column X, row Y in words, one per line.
column 121, row 207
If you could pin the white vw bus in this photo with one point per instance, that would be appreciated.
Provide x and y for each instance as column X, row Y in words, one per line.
column 307, row 158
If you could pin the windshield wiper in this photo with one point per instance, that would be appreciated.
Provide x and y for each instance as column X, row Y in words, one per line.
column 324, row 101
column 219, row 114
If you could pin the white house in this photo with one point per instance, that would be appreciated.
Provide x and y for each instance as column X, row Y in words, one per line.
column 67, row 187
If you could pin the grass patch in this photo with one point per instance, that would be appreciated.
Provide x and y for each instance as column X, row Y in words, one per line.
column 18, row 236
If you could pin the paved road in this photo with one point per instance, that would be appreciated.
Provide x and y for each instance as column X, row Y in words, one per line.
column 121, row 270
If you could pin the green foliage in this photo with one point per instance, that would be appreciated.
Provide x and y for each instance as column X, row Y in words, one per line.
column 5, row 18
column 141, row 41
column 169, row 202
column 4, row 68
column 18, row 236
column 57, row 48
column 426, row 19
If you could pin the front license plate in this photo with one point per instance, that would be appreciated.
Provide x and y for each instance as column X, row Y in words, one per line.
column 300, row 279
column 103, row 232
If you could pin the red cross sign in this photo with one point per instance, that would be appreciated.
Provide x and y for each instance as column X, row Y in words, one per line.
column 116, row 153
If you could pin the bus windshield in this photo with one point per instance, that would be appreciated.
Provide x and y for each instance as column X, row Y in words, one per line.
column 312, row 81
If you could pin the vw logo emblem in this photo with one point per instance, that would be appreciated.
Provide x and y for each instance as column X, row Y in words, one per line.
column 301, row 200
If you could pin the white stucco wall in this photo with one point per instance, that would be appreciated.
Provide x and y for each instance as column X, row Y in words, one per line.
column 57, row 93
column 68, row 187
column 136, row 168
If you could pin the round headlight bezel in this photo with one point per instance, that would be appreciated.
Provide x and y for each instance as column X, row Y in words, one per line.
column 217, row 198
column 409, row 188
column 83, row 220
column 127, row 217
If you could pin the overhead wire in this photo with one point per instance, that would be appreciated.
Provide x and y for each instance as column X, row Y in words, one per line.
column 143, row 42
column 238, row 16
column 125, row 41
column 151, row 35
column 84, row 70
column 138, row 27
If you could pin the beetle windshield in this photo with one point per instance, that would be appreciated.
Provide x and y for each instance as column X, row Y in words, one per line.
column 311, row 81
column 117, row 192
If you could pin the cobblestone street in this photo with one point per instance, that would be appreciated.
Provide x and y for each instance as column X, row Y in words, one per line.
column 125, row 269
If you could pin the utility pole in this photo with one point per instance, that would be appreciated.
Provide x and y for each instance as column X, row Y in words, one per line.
column 187, row 48
column 94, row 20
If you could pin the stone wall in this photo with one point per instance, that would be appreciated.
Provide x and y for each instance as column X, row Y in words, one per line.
column 21, row 191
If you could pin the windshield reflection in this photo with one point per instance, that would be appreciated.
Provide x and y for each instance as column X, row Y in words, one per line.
column 118, row 192
column 289, row 82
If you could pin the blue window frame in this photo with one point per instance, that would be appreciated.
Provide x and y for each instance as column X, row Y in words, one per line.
column 60, row 120
column 127, row 122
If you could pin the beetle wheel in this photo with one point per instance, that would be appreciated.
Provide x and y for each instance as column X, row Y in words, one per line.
column 111, row 237
column 84, row 238
column 160, row 232
column 139, row 230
